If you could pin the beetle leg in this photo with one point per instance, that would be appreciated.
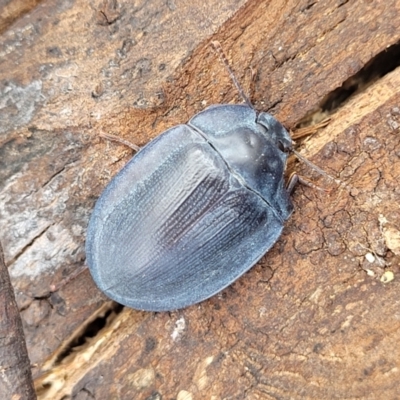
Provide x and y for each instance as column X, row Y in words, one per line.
column 314, row 167
column 294, row 179
column 120, row 140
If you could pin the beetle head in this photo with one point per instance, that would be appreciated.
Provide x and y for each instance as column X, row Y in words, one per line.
column 275, row 131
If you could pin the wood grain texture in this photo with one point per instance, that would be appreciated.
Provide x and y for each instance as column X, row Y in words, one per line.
column 313, row 319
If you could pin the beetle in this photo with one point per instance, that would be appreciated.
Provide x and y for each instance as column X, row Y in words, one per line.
column 192, row 211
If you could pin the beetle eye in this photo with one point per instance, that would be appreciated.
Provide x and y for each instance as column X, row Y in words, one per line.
column 281, row 147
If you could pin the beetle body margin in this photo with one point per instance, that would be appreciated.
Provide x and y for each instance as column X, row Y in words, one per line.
column 191, row 211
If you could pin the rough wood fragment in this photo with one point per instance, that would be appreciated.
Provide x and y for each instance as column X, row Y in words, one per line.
column 10, row 11
column 15, row 370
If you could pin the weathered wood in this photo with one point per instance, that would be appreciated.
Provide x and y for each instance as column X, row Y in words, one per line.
column 15, row 370
column 312, row 319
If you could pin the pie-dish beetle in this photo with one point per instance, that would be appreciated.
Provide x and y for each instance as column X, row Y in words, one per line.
column 192, row 211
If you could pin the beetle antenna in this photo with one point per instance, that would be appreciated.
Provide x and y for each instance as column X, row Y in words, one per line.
column 313, row 166
column 218, row 49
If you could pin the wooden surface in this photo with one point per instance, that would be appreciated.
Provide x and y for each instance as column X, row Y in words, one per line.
column 314, row 318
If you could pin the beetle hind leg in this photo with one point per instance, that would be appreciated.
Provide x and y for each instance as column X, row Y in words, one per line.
column 120, row 140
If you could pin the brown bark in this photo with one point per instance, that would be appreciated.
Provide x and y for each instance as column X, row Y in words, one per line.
column 314, row 318
column 15, row 378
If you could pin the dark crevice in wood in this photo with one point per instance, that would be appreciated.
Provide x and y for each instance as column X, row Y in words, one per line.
column 28, row 245
column 308, row 6
column 376, row 68
column 379, row 66
column 342, row 3
column 92, row 329
column 59, row 172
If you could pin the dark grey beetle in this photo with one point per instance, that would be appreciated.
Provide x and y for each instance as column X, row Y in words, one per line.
column 192, row 211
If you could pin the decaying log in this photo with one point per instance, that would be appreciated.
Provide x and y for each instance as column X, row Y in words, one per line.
column 318, row 316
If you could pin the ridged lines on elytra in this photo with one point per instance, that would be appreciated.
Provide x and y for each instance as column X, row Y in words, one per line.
column 171, row 215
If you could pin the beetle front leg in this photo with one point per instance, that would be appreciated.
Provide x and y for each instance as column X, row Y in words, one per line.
column 294, row 179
